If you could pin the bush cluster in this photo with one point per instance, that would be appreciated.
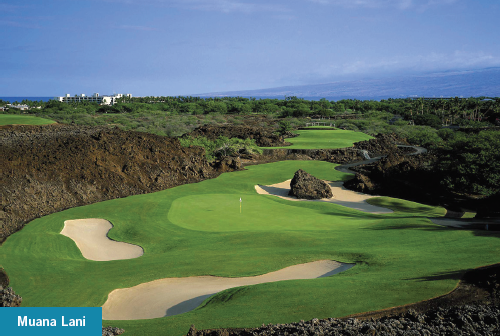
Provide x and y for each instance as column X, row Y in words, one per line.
column 222, row 146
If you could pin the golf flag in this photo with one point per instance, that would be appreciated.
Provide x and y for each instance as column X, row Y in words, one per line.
column 240, row 204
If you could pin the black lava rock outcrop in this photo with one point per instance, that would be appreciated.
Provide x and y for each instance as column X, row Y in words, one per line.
column 8, row 298
column 50, row 168
column 383, row 144
column 112, row 331
column 264, row 137
column 4, row 278
column 304, row 185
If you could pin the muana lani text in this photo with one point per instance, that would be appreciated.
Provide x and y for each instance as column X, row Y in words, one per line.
column 24, row 321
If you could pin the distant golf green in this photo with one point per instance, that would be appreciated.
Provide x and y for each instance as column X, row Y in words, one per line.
column 14, row 119
column 197, row 229
column 325, row 139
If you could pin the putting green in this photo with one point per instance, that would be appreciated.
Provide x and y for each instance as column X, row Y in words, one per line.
column 401, row 257
column 14, row 119
column 325, row 139
column 221, row 212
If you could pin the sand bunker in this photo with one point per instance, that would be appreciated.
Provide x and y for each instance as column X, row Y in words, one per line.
column 341, row 196
column 90, row 235
column 172, row 296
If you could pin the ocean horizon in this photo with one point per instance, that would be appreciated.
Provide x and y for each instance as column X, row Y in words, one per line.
column 20, row 99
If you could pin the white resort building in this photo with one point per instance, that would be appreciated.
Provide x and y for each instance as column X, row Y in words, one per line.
column 95, row 98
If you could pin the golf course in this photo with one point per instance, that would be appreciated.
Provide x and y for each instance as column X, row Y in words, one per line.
column 225, row 228
column 15, row 119
column 325, row 139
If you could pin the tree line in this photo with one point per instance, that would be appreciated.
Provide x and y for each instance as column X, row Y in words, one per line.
column 421, row 111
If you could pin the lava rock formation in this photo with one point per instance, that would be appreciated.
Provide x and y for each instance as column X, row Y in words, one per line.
column 50, row 168
column 304, row 185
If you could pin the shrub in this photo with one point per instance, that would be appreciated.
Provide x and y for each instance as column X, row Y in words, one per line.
column 418, row 135
column 222, row 147
column 428, row 120
column 348, row 126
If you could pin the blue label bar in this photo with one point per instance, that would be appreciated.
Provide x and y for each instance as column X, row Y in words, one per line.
column 75, row 321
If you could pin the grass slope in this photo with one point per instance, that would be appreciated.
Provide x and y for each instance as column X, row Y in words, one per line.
column 401, row 257
column 14, row 119
column 325, row 139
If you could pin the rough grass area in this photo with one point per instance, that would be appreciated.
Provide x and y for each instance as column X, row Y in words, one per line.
column 401, row 257
column 13, row 119
column 325, row 139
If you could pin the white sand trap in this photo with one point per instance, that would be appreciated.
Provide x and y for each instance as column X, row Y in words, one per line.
column 172, row 296
column 90, row 235
column 341, row 196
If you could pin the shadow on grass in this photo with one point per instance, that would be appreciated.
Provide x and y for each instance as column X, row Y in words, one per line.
column 484, row 233
column 476, row 229
column 396, row 205
column 427, row 227
column 452, row 275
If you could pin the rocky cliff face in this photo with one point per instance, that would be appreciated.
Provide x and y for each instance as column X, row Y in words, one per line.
column 50, row 168
column 383, row 144
column 264, row 137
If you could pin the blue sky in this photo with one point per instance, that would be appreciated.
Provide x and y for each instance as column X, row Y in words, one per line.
column 174, row 47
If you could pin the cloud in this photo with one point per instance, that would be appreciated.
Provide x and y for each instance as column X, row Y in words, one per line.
column 457, row 60
column 224, row 6
column 19, row 24
column 10, row 8
column 401, row 4
column 228, row 6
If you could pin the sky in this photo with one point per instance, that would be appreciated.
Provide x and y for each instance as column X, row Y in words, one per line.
column 184, row 47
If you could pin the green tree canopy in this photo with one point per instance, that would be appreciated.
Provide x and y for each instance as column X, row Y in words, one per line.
column 471, row 163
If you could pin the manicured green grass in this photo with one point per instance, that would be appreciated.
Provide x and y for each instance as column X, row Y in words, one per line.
column 13, row 119
column 325, row 139
column 469, row 215
column 401, row 257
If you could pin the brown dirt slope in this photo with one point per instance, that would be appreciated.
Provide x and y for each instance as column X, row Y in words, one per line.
column 46, row 169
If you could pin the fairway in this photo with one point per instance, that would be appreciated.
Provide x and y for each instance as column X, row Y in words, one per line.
column 14, row 119
column 325, row 139
column 197, row 230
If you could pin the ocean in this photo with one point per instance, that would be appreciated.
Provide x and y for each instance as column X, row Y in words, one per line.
column 20, row 99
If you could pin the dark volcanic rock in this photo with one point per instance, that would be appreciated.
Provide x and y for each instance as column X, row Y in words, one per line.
column 4, row 279
column 50, row 168
column 8, row 298
column 383, row 144
column 228, row 164
column 263, row 137
column 361, row 183
column 304, row 185
column 112, row 331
